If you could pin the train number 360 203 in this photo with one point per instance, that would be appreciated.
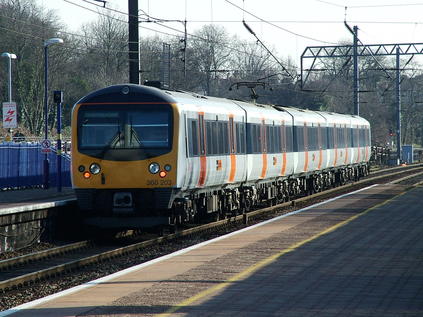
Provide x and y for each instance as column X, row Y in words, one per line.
column 161, row 182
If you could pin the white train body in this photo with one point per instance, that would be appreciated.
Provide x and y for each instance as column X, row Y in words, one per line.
column 269, row 142
column 141, row 151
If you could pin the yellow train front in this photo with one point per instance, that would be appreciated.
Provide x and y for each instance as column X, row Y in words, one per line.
column 124, row 156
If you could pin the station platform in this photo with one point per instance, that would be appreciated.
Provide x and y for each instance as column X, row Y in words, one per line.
column 29, row 199
column 360, row 254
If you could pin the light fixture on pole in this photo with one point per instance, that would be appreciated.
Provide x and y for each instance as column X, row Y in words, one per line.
column 10, row 56
column 47, row 43
column 9, row 108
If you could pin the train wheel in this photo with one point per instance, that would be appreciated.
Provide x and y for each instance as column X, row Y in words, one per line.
column 246, row 205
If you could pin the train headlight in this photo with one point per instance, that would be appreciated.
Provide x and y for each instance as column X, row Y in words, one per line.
column 167, row 168
column 154, row 168
column 81, row 168
column 95, row 168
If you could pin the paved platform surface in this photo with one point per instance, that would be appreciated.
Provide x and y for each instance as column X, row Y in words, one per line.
column 11, row 200
column 330, row 260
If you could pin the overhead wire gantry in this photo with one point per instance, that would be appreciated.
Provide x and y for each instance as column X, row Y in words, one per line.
column 312, row 54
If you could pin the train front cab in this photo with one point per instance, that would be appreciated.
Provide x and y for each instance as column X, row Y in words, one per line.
column 124, row 156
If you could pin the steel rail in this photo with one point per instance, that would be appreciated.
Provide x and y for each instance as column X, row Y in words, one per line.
column 73, row 265
column 41, row 255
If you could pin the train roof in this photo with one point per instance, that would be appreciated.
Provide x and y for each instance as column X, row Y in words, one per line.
column 127, row 93
column 132, row 93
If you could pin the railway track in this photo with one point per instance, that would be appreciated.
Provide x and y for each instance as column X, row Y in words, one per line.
column 29, row 270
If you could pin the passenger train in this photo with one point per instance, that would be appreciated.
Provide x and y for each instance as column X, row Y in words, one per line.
column 144, row 157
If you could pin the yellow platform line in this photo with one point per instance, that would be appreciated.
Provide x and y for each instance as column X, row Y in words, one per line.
column 248, row 271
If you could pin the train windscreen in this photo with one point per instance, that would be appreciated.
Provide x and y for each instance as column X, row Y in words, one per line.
column 106, row 130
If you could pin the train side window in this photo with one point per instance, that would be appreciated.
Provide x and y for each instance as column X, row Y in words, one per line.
column 220, row 138
column 249, row 139
column 344, row 137
column 253, row 141
column 202, row 141
column 367, row 136
column 289, row 139
column 298, row 139
column 312, row 139
column 329, row 137
column 262, row 139
column 295, row 137
column 316, row 138
column 277, row 138
column 223, row 144
column 215, row 129
column 232, row 140
column 240, row 135
column 323, row 137
column 347, row 136
column 269, row 139
column 357, row 137
column 339, row 138
column 209, row 138
column 283, row 138
column 252, row 138
column 276, row 146
column 193, row 137
column 255, row 138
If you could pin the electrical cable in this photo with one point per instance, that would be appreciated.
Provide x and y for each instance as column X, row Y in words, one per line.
column 268, row 51
column 277, row 26
column 371, row 5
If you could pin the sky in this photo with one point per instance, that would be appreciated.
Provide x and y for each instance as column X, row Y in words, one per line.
column 288, row 27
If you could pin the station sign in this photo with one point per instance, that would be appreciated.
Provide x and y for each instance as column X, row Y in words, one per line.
column 10, row 115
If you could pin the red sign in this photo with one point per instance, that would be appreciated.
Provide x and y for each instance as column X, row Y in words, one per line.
column 46, row 146
column 10, row 116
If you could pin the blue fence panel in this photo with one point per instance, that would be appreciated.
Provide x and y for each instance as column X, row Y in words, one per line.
column 65, row 167
column 21, row 165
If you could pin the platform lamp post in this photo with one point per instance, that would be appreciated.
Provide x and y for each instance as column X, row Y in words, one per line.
column 9, row 56
column 47, row 43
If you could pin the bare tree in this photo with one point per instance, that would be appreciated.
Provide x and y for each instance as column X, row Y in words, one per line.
column 209, row 53
column 105, row 61
column 25, row 26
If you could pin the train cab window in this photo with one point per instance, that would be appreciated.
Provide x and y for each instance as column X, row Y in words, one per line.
column 148, row 129
column 97, row 128
column 110, row 129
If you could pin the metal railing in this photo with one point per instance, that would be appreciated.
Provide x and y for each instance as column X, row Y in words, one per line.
column 21, row 165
